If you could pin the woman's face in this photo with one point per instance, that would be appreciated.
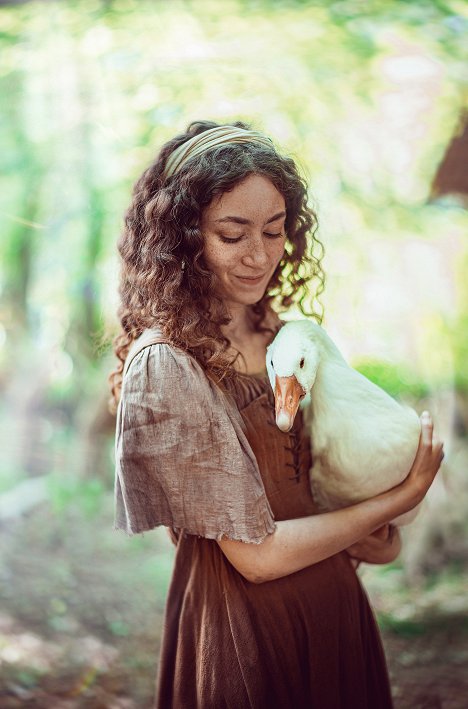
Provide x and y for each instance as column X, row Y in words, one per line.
column 244, row 238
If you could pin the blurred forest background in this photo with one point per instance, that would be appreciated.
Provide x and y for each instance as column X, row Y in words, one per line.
column 370, row 99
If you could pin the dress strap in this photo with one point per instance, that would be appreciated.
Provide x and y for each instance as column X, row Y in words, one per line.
column 150, row 336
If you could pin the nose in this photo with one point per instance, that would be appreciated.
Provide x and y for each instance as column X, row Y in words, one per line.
column 256, row 255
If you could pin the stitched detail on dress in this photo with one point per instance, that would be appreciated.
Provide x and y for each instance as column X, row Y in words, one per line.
column 296, row 443
column 296, row 448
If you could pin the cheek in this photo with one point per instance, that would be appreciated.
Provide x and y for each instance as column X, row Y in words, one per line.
column 210, row 252
column 278, row 251
column 216, row 258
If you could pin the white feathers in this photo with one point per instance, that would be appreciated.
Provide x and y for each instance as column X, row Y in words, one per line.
column 363, row 441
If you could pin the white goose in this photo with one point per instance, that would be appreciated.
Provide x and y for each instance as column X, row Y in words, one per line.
column 363, row 441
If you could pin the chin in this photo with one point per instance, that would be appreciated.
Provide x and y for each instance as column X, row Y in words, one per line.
column 249, row 299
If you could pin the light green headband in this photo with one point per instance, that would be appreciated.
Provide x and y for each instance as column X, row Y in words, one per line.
column 209, row 139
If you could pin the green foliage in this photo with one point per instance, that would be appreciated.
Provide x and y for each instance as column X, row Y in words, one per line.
column 396, row 380
column 66, row 492
column 119, row 627
column 92, row 92
column 406, row 628
column 9, row 477
column 27, row 677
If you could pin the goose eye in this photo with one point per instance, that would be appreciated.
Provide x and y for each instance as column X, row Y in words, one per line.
column 301, row 363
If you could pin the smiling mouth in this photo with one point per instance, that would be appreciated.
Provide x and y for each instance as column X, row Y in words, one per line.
column 254, row 279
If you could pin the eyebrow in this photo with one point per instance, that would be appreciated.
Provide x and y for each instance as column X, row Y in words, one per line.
column 241, row 220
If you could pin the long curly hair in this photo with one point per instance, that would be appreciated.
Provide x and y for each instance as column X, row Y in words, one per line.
column 162, row 230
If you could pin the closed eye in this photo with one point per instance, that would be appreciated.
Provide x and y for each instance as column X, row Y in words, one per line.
column 235, row 239
column 231, row 240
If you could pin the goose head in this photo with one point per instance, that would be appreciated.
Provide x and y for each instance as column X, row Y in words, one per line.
column 292, row 361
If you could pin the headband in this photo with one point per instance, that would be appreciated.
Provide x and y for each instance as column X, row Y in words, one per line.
column 210, row 139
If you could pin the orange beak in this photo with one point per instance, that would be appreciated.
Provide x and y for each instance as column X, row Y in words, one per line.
column 288, row 393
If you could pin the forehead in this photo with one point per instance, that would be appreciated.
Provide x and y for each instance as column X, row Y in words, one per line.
column 255, row 198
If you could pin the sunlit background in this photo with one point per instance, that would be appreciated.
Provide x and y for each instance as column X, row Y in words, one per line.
column 370, row 99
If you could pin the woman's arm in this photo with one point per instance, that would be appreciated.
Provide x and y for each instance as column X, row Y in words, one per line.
column 380, row 547
column 297, row 543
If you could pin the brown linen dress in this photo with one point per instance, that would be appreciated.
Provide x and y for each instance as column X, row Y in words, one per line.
column 186, row 459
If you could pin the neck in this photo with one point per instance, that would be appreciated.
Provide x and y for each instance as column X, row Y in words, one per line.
column 240, row 325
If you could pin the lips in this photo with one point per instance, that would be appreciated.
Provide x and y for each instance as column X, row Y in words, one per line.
column 252, row 279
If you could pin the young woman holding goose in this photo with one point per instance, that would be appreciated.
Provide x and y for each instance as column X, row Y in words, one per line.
column 264, row 607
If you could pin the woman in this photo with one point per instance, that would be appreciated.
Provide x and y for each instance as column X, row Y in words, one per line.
column 264, row 608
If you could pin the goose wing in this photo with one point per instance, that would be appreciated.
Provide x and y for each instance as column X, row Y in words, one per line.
column 363, row 441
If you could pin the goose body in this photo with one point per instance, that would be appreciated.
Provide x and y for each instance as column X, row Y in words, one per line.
column 363, row 441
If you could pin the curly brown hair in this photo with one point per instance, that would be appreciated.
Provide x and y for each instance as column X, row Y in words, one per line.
column 162, row 229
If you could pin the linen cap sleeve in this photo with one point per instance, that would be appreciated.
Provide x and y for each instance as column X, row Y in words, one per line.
column 182, row 458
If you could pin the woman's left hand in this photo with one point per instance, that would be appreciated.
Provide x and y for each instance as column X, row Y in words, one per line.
column 380, row 547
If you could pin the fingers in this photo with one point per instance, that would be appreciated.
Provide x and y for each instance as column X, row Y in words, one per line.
column 381, row 533
column 427, row 428
column 432, row 445
column 428, row 458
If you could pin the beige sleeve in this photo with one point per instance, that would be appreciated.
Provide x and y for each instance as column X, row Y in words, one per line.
column 182, row 459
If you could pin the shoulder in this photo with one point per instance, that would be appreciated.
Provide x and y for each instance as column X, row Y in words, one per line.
column 160, row 362
column 182, row 457
column 161, row 358
column 162, row 372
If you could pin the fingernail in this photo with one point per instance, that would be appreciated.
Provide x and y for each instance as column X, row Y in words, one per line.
column 425, row 414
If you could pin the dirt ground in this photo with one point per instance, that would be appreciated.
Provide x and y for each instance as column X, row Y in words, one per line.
column 81, row 616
